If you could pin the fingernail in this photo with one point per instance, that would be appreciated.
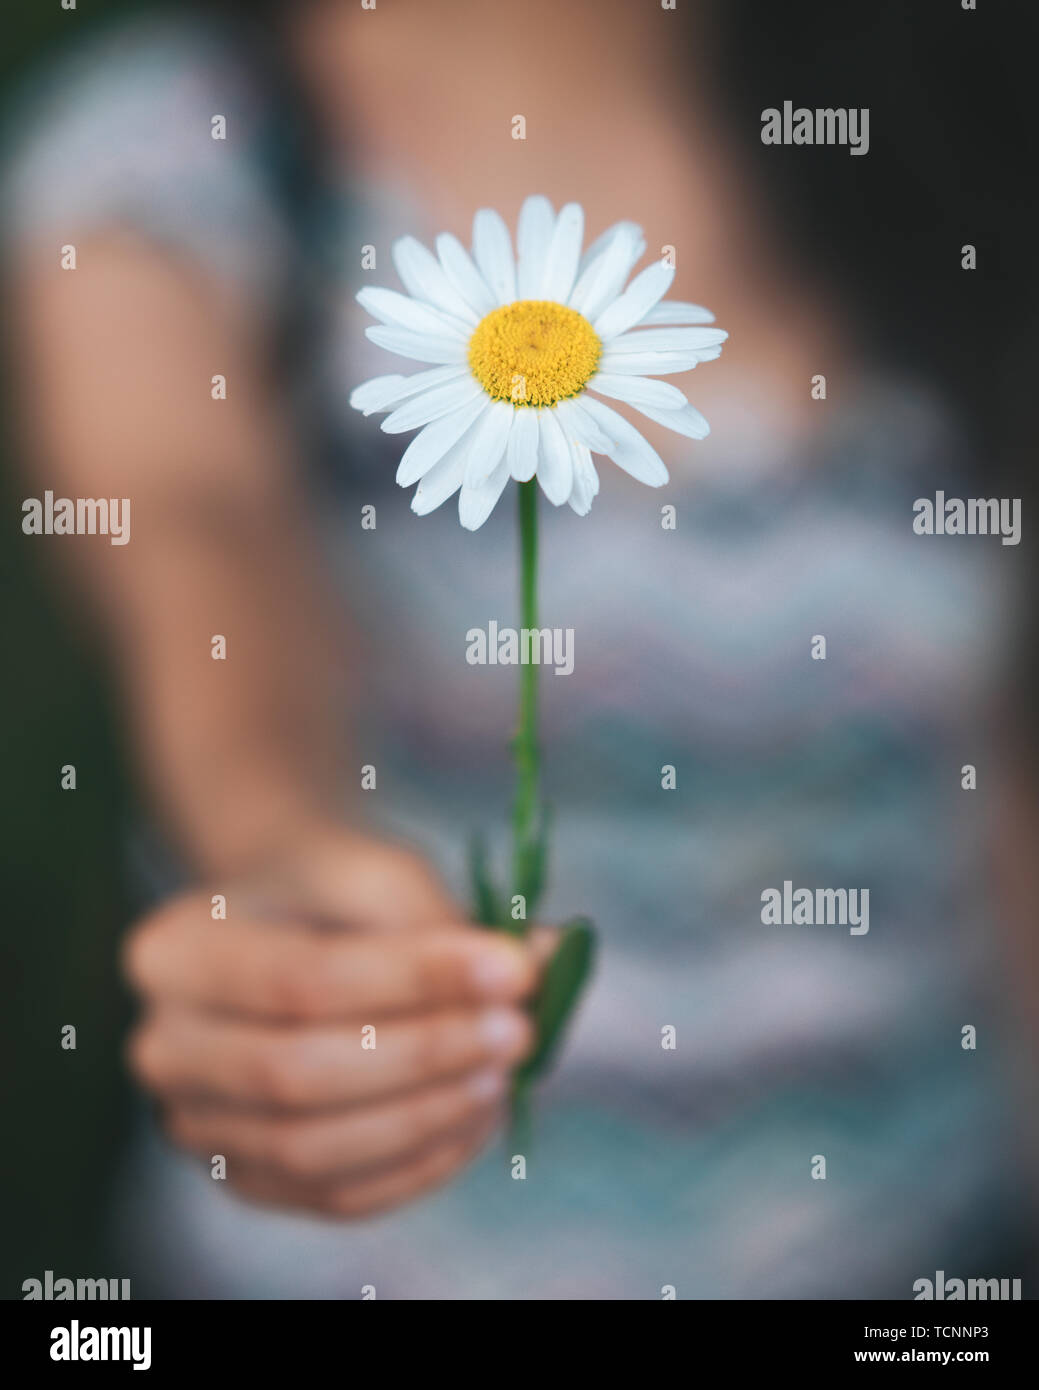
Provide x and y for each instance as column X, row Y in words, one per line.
column 502, row 1029
column 495, row 969
column 485, row 1085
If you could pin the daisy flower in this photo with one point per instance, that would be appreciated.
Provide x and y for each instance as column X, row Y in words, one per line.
column 521, row 349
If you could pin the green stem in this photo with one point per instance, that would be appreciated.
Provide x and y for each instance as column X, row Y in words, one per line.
column 525, row 745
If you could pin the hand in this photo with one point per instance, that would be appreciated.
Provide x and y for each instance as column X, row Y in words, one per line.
column 252, row 1032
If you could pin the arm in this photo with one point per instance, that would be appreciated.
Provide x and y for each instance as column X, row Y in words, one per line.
column 252, row 1028
column 117, row 358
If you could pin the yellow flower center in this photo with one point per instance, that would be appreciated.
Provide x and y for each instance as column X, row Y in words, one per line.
column 533, row 352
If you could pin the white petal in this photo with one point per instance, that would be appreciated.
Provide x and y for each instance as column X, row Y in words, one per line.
column 422, row 277
column 687, row 421
column 402, row 312
column 492, row 252
column 630, row 450
column 645, row 290
column 564, row 252
column 487, row 442
column 593, row 477
column 420, row 347
column 655, row 363
column 555, row 468
column 602, row 279
column 431, row 444
column 578, row 425
column 674, row 311
column 372, row 395
column 463, row 275
column 522, row 451
column 599, row 245
column 668, row 340
column 580, row 501
column 443, row 480
column 475, row 504
column 635, row 390
column 384, row 392
column 533, row 235
column 586, row 480
column 431, row 405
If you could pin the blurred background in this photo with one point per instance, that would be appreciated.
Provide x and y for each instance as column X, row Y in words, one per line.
column 346, row 129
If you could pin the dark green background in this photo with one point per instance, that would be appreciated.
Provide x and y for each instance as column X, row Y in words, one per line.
column 62, row 877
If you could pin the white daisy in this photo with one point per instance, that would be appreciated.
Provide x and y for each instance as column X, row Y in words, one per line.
column 518, row 346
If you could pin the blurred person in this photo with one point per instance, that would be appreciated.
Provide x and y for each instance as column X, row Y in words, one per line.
column 241, row 257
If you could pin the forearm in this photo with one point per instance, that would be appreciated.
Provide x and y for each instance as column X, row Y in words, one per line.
column 232, row 683
column 235, row 745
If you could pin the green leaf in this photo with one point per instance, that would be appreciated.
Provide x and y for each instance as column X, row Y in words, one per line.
column 565, row 977
column 488, row 910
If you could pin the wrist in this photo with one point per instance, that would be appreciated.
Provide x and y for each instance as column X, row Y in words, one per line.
column 260, row 836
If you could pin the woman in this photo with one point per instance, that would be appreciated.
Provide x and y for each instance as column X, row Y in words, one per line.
column 200, row 258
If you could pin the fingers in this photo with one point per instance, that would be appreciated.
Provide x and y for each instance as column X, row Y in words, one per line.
column 332, row 1146
column 179, row 1053
column 281, row 972
column 368, row 1195
column 542, row 942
